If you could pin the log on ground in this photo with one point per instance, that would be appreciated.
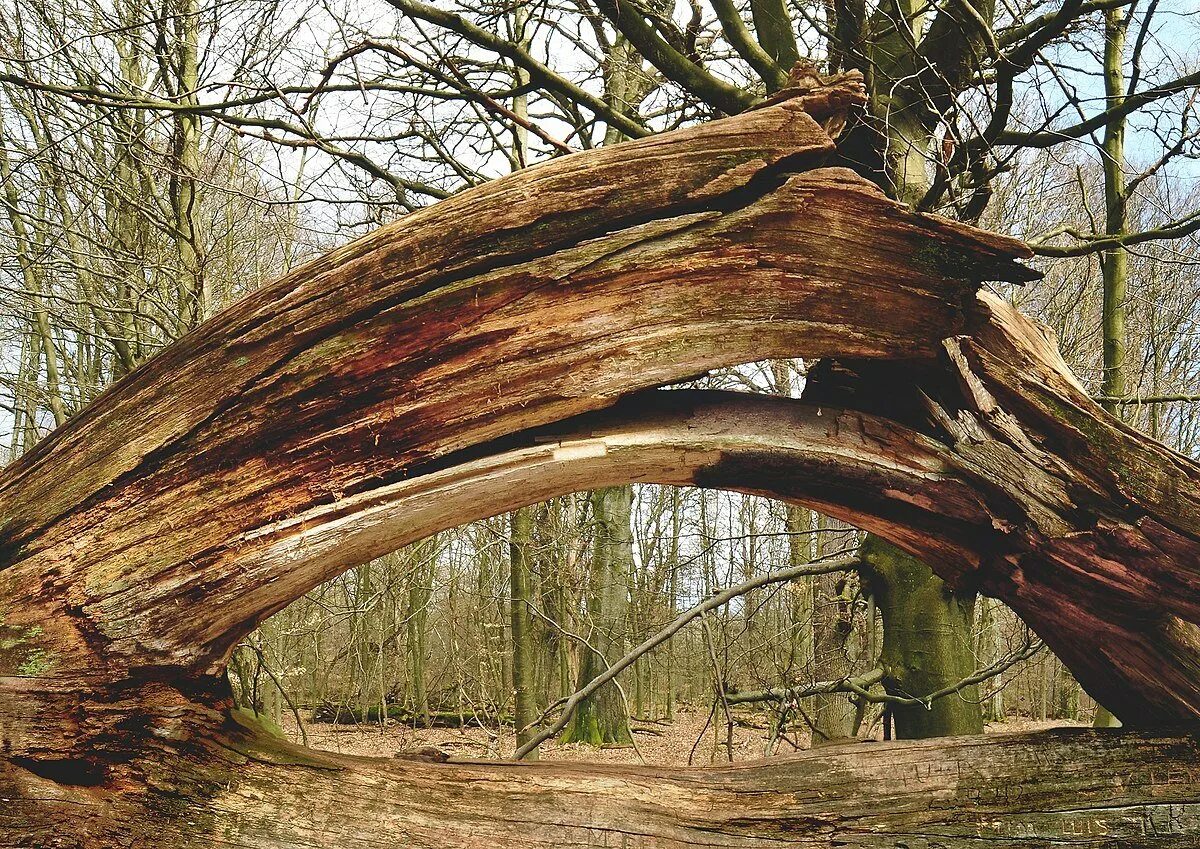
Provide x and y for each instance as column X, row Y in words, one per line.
column 1062, row 788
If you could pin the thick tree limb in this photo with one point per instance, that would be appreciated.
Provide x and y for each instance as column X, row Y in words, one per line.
column 743, row 42
column 673, row 65
column 481, row 355
column 775, row 30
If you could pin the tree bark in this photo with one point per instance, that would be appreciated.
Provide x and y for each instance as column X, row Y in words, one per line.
column 927, row 643
column 1070, row 788
column 472, row 359
column 990, row 650
column 1114, row 264
column 832, row 716
column 186, row 153
column 602, row 718
column 520, row 556
column 422, row 571
column 390, row 357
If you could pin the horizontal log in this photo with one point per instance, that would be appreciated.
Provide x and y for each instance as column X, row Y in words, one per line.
column 1066, row 788
column 479, row 356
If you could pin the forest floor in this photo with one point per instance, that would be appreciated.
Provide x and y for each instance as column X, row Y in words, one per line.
column 688, row 739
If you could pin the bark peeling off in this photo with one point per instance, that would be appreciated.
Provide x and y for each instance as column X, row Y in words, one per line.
column 386, row 396
column 474, row 358
column 1068, row 788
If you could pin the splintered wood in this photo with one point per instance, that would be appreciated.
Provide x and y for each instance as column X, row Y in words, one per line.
column 503, row 347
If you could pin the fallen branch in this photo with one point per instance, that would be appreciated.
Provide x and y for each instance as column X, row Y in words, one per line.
column 859, row 685
column 713, row 602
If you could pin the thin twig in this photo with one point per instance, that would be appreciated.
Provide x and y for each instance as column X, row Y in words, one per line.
column 569, row 704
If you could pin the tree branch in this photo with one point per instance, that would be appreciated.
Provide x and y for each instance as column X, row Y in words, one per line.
column 670, row 62
column 1132, row 103
column 1133, row 400
column 1091, row 243
column 538, row 72
column 773, row 25
column 858, row 685
column 756, row 57
column 713, row 602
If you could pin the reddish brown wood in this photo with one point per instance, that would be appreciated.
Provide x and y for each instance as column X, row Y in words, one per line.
column 541, row 296
column 473, row 358
column 1072, row 788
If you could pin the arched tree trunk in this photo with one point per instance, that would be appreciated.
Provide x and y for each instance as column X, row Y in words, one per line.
column 473, row 359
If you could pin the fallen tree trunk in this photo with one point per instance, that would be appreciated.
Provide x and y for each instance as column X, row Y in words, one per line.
column 353, row 715
column 473, row 359
column 1069, row 788
column 211, row 479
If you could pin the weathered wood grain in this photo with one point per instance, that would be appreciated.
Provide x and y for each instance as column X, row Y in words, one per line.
column 1093, row 537
column 353, row 407
column 1066, row 788
column 128, row 537
column 473, row 358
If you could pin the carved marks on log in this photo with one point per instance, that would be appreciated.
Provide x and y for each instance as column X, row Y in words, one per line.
column 1075, row 788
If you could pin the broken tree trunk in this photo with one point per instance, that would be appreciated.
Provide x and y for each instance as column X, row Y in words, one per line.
column 213, row 479
column 1066, row 788
column 472, row 359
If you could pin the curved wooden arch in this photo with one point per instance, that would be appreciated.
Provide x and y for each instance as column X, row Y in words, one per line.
column 540, row 296
column 474, row 357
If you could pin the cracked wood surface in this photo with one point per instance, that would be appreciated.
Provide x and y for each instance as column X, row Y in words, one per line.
column 128, row 536
column 474, row 357
column 1064, row 788
column 446, row 370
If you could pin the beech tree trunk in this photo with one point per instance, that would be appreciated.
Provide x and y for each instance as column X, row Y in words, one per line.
column 422, row 574
column 481, row 355
column 1114, row 264
column 927, row 643
column 520, row 558
column 602, row 718
column 832, row 715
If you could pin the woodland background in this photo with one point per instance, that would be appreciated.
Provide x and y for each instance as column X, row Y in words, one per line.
column 159, row 161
